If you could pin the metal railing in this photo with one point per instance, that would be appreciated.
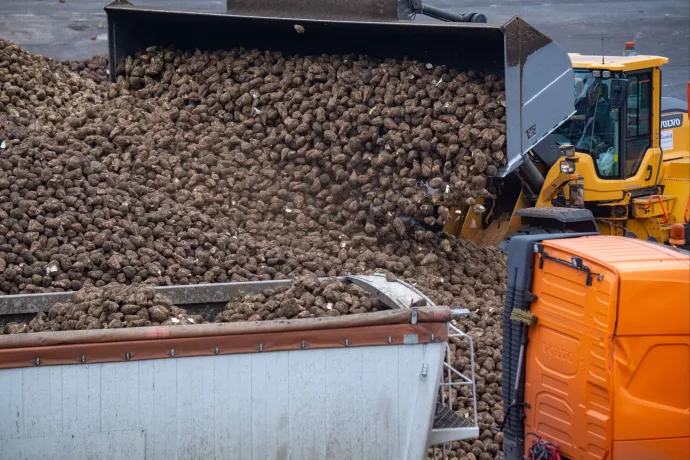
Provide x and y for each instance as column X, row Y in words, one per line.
column 451, row 377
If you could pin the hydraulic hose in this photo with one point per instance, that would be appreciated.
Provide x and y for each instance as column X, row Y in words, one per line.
column 443, row 15
column 534, row 178
column 407, row 9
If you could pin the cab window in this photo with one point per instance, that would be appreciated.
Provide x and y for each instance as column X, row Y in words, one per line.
column 638, row 120
column 596, row 126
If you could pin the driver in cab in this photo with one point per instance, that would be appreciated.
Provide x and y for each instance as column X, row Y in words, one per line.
column 598, row 133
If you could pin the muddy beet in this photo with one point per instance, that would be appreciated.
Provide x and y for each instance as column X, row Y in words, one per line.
column 111, row 307
column 307, row 297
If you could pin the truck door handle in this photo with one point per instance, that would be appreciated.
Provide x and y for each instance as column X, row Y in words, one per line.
column 649, row 173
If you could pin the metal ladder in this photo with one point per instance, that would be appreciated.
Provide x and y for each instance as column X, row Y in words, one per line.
column 448, row 425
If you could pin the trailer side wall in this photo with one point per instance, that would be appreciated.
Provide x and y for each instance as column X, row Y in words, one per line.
column 348, row 403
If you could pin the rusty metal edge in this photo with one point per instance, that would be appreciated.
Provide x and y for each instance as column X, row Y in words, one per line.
column 171, row 348
column 381, row 318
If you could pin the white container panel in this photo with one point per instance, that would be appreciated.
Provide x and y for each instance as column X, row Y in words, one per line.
column 349, row 403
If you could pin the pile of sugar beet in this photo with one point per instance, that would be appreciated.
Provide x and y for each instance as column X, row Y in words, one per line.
column 251, row 165
column 117, row 306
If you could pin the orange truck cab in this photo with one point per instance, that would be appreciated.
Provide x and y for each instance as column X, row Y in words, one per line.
column 601, row 369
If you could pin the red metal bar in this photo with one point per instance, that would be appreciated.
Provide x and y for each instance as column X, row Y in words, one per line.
column 661, row 203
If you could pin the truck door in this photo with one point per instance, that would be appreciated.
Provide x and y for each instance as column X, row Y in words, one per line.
column 567, row 381
column 638, row 125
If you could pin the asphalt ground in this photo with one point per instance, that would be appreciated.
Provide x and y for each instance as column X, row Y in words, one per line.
column 70, row 30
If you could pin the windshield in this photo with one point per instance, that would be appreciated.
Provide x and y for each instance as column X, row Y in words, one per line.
column 595, row 127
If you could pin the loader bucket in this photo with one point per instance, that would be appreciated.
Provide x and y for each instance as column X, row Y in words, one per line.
column 537, row 71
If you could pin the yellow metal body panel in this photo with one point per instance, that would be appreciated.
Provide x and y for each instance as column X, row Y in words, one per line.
column 472, row 223
column 553, row 187
column 656, row 108
column 602, row 189
column 653, row 206
column 677, row 140
column 676, row 182
column 494, row 233
column 467, row 225
column 654, row 216
column 456, row 221
column 619, row 63
column 515, row 220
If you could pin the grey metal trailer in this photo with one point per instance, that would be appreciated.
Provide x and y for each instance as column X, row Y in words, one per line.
column 367, row 386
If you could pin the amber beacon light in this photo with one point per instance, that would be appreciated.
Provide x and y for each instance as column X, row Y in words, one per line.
column 677, row 236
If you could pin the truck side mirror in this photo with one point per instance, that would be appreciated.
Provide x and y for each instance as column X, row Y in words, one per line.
column 619, row 92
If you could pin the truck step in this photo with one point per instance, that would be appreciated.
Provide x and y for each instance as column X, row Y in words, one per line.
column 447, row 418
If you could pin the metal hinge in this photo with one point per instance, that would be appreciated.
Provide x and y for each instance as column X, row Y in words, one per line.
column 575, row 262
column 425, row 371
column 459, row 312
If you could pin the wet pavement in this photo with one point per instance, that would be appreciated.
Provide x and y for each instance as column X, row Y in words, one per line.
column 70, row 30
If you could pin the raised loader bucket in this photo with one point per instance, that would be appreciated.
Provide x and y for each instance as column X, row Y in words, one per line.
column 537, row 71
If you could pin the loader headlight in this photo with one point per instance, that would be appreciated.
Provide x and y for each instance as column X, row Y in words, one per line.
column 576, row 189
column 567, row 167
column 568, row 151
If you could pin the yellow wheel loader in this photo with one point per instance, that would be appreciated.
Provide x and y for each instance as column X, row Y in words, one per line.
column 624, row 155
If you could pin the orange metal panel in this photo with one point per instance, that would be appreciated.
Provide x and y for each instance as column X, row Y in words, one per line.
column 655, row 282
column 653, row 449
column 657, row 301
column 608, row 365
column 621, row 254
column 568, row 358
column 652, row 387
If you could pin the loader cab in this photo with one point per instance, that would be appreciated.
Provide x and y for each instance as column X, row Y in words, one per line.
column 616, row 115
column 615, row 127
